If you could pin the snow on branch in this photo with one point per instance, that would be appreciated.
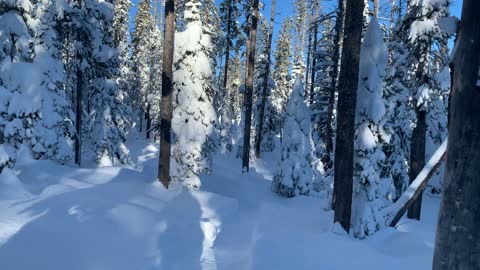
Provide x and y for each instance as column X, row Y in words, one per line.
column 393, row 213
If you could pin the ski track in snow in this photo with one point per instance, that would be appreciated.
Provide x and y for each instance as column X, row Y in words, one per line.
column 120, row 218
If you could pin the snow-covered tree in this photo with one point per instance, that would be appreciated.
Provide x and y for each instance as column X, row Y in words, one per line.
column 372, row 191
column 33, row 109
column 281, row 74
column 193, row 112
column 141, row 57
column 293, row 175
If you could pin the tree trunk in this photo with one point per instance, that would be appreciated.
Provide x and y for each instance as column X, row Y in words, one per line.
column 314, row 58
column 78, row 120
column 149, row 121
column 340, row 28
column 417, row 158
column 167, row 89
column 227, row 49
column 457, row 244
column 249, row 88
column 392, row 18
column 347, row 97
column 261, row 113
column 375, row 8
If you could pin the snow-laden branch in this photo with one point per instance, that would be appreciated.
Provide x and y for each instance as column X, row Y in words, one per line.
column 393, row 213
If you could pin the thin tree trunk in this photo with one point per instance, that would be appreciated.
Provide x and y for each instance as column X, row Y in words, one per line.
column 417, row 158
column 340, row 28
column 227, row 48
column 392, row 18
column 314, row 58
column 149, row 121
column 167, row 89
column 457, row 244
column 249, row 88
column 261, row 113
column 347, row 97
column 375, row 8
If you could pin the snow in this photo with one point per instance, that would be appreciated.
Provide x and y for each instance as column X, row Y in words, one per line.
column 120, row 218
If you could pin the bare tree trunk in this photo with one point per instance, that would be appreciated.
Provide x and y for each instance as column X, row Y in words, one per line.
column 347, row 98
column 340, row 28
column 261, row 113
column 457, row 244
column 227, row 48
column 375, row 8
column 78, row 115
column 167, row 89
column 314, row 59
column 417, row 158
column 249, row 88
column 392, row 18
column 149, row 121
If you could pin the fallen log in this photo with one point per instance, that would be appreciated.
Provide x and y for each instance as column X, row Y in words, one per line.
column 393, row 213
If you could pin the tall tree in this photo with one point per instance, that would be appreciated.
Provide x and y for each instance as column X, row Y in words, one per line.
column 372, row 190
column 248, row 97
column 167, row 89
column 457, row 244
column 261, row 114
column 281, row 75
column 347, row 96
column 193, row 113
column 300, row 34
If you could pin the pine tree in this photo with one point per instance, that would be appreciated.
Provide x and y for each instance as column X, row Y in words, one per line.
column 371, row 189
column 33, row 109
column 281, row 75
column 293, row 175
column 141, row 56
column 193, row 113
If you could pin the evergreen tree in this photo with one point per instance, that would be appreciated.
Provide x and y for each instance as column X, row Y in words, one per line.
column 281, row 75
column 293, row 175
column 33, row 109
column 193, row 113
column 372, row 191
column 141, row 56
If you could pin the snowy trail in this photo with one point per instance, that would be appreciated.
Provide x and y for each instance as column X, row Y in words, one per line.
column 120, row 218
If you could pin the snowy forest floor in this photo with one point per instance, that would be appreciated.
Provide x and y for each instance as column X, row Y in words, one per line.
column 60, row 217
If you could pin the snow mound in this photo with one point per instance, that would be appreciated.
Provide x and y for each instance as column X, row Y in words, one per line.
column 11, row 188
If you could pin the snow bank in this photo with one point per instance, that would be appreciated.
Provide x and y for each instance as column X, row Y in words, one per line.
column 10, row 186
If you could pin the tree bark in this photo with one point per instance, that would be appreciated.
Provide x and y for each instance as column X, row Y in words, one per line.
column 249, row 88
column 167, row 89
column 375, row 8
column 347, row 97
column 261, row 113
column 457, row 244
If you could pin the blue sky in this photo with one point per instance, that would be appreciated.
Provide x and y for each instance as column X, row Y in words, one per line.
column 284, row 8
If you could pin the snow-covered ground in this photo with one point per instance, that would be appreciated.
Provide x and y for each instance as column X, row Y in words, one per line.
column 57, row 218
